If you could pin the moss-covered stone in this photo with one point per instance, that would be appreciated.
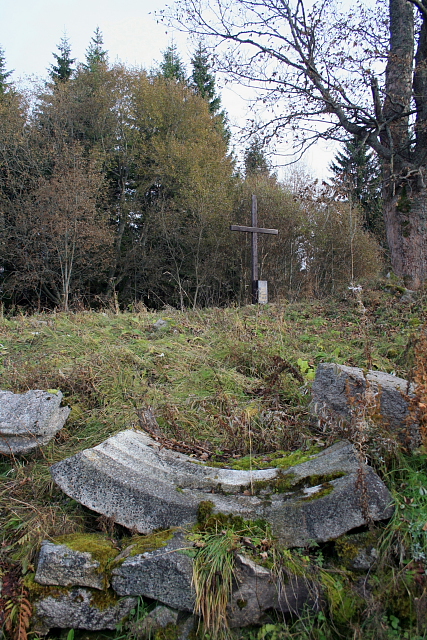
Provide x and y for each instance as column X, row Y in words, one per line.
column 346, row 548
column 38, row 591
column 358, row 551
column 170, row 632
column 287, row 482
column 104, row 551
column 102, row 600
column 98, row 545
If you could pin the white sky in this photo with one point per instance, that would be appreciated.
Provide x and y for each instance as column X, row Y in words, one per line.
column 31, row 29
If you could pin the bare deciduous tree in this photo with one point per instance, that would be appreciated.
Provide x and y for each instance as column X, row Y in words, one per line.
column 322, row 73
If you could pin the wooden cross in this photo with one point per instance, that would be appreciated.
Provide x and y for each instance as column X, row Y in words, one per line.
column 254, row 230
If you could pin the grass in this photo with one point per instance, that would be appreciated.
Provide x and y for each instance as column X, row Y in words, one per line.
column 221, row 378
column 213, row 577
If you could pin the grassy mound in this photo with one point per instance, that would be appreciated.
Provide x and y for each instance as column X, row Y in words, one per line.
column 236, row 384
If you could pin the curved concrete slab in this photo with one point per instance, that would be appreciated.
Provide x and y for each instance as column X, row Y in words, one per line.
column 29, row 420
column 133, row 480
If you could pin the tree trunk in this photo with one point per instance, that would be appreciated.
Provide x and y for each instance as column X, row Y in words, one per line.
column 406, row 223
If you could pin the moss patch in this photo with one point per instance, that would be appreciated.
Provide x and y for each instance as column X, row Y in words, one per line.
column 242, row 603
column 285, row 482
column 280, row 484
column 169, row 632
column 278, row 459
column 210, row 522
column 150, row 542
column 103, row 600
column 343, row 601
column 104, row 551
column 38, row 591
column 101, row 548
column 204, row 511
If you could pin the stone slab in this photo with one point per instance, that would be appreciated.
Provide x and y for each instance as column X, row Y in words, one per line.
column 60, row 565
column 29, row 420
column 160, row 618
column 143, row 486
column 77, row 609
column 164, row 575
column 335, row 384
column 259, row 590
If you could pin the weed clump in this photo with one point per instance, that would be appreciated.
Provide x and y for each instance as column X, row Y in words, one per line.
column 217, row 538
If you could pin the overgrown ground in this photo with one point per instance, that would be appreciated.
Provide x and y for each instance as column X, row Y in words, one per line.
column 232, row 382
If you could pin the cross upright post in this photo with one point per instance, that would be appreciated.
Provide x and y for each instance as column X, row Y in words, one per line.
column 254, row 230
column 254, row 246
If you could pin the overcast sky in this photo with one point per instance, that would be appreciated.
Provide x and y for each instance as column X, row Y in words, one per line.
column 31, row 29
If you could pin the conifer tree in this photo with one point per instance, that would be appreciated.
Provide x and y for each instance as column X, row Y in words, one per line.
column 62, row 70
column 357, row 174
column 203, row 81
column 96, row 55
column 172, row 67
column 256, row 162
column 3, row 73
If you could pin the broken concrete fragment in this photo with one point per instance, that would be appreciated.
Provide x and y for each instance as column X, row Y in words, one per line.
column 143, row 486
column 29, row 420
column 80, row 609
column 161, row 325
column 60, row 565
column 164, row 575
column 338, row 390
column 160, row 618
column 259, row 590
column 303, row 518
column 256, row 591
column 358, row 551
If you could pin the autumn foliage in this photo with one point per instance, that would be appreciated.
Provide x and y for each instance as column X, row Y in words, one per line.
column 118, row 187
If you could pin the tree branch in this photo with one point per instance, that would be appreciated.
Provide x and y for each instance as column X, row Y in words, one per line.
column 420, row 6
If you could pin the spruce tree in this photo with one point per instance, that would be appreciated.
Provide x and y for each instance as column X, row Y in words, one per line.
column 96, row 55
column 203, row 81
column 256, row 162
column 172, row 67
column 62, row 70
column 357, row 174
column 3, row 73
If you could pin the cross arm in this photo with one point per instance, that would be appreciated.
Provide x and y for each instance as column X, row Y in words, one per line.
column 235, row 227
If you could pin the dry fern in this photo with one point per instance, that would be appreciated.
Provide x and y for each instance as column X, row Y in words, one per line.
column 18, row 612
